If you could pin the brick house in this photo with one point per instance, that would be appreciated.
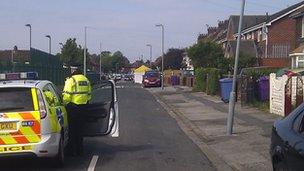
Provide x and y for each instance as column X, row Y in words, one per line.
column 297, row 56
column 225, row 34
column 276, row 36
column 15, row 55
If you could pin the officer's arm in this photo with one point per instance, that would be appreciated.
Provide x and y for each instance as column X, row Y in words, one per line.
column 67, row 90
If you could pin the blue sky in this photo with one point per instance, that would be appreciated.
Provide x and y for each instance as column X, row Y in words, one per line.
column 125, row 25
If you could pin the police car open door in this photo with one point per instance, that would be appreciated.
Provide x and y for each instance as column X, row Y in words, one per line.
column 101, row 116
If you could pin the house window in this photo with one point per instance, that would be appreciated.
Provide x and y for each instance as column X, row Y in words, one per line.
column 300, row 62
column 302, row 27
column 252, row 35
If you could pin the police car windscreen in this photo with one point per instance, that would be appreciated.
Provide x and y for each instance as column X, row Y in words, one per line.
column 16, row 99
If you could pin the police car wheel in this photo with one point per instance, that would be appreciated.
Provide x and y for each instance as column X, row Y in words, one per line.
column 60, row 157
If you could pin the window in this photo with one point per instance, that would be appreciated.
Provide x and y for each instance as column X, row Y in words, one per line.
column 300, row 62
column 51, row 96
column 16, row 99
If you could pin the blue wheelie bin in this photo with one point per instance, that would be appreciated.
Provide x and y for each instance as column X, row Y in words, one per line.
column 226, row 88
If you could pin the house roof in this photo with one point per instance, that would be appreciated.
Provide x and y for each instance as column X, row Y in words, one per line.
column 298, row 51
column 284, row 11
column 248, row 21
column 274, row 17
column 247, row 47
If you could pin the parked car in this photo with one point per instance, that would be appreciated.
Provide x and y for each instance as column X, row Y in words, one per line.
column 128, row 77
column 152, row 79
column 287, row 141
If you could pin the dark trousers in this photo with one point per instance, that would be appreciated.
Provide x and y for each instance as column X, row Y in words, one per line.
column 75, row 118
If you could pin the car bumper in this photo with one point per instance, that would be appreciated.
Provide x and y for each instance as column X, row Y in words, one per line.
column 157, row 84
column 47, row 147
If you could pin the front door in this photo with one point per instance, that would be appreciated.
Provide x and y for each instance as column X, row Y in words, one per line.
column 101, row 117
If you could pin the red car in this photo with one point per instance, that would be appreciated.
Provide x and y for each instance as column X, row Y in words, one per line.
column 151, row 79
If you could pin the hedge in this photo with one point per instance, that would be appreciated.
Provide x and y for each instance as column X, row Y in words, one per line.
column 207, row 80
column 213, row 76
column 200, row 80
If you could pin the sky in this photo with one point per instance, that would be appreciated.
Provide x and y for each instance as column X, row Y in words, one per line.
column 124, row 25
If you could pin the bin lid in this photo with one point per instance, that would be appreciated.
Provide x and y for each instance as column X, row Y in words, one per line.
column 226, row 80
column 263, row 78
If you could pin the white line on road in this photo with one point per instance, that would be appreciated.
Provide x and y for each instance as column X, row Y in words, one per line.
column 93, row 163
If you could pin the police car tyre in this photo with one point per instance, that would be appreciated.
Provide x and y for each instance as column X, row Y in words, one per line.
column 59, row 159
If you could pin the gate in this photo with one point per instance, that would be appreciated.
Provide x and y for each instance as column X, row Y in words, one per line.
column 293, row 93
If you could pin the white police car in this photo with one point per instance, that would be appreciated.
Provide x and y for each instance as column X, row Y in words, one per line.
column 34, row 121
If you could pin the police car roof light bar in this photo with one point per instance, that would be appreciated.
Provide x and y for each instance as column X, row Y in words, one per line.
column 19, row 76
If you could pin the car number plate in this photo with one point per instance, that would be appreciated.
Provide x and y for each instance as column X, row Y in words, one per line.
column 8, row 126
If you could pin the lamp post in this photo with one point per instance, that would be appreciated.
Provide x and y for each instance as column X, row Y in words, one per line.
column 162, row 44
column 230, row 118
column 149, row 45
column 30, row 26
column 85, row 52
column 100, row 61
column 50, row 43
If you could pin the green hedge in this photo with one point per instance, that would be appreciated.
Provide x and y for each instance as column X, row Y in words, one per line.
column 207, row 80
column 200, row 80
column 212, row 81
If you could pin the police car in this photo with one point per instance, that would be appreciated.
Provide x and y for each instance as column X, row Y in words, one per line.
column 34, row 121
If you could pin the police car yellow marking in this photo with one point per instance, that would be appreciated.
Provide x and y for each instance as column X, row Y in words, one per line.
column 15, row 149
column 35, row 100
column 26, row 133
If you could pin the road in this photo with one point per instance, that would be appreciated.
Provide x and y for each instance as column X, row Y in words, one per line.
column 149, row 140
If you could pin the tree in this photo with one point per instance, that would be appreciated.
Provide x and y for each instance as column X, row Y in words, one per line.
column 71, row 53
column 245, row 61
column 207, row 54
column 112, row 62
column 173, row 59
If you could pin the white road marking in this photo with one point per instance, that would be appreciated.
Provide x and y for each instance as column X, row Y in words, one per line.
column 93, row 163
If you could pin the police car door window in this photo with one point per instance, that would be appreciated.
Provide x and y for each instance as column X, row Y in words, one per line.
column 51, row 96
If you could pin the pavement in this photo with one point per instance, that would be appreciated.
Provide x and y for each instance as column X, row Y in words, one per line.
column 204, row 119
column 150, row 140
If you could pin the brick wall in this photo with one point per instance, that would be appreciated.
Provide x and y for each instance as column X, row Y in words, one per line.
column 276, row 62
column 283, row 31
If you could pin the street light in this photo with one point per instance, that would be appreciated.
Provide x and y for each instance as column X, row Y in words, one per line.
column 230, row 118
column 162, row 44
column 149, row 45
column 100, row 61
column 50, row 43
column 85, row 52
column 29, row 25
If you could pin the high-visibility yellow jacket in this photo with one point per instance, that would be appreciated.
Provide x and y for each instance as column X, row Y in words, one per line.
column 77, row 89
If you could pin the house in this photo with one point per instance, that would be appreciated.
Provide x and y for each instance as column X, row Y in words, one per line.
column 226, row 34
column 276, row 36
column 297, row 56
column 247, row 47
column 14, row 56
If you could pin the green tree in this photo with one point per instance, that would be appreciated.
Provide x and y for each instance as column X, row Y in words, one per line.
column 207, row 54
column 71, row 53
column 173, row 59
column 245, row 61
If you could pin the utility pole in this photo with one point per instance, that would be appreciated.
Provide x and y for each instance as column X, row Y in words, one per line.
column 230, row 119
column 85, row 52
column 100, row 61
column 30, row 26
column 163, row 53
column 50, row 43
column 149, row 45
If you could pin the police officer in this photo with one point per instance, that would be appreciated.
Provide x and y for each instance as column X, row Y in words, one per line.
column 76, row 95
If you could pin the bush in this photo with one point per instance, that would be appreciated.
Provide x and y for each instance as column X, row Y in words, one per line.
column 207, row 80
column 212, row 81
column 200, row 80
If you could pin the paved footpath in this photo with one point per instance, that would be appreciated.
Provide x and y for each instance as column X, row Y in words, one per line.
column 206, row 118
